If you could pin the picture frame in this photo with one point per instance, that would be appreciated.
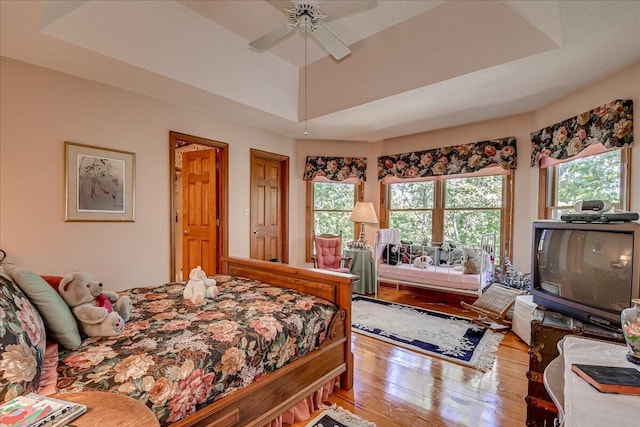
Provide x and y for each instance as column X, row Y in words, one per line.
column 99, row 183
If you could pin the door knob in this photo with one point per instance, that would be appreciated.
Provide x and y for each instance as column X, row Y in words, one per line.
column 186, row 232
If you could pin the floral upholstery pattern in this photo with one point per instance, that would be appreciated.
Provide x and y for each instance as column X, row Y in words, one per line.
column 22, row 342
column 335, row 168
column 329, row 253
column 609, row 124
column 177, row 358
column 456, row 160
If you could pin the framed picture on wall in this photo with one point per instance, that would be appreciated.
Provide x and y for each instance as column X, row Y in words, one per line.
column 99, row 183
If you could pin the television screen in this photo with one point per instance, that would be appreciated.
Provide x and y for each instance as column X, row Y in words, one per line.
column 589, row 267
column 588, row 271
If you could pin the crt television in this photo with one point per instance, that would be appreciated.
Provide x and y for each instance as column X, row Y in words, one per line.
column 589, row 271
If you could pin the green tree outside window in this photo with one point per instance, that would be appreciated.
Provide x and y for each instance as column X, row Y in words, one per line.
column 471, row 207
column 332, row 206
column 595, row 177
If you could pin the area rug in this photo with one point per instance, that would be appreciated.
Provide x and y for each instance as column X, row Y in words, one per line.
column 453, row 338
column 336, row 416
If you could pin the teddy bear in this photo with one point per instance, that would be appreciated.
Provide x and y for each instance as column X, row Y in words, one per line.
column 199, row 287
column 99, row 312
column 446, row 250
column 422, row 260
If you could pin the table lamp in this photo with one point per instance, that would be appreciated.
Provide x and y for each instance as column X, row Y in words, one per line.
column 363, row 213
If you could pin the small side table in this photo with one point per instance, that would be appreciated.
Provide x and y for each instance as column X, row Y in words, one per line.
column 579, row 404
column 362, row 266
column 110, row 410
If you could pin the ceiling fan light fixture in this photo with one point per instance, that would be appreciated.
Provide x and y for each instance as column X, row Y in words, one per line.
column 305, row 15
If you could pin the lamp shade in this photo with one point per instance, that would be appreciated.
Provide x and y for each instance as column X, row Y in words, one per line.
column 364, row 212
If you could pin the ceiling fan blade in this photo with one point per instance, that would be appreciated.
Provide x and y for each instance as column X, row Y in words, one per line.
column 271, row 38
column 282, row 5
column 338, row 9
column 329, row 41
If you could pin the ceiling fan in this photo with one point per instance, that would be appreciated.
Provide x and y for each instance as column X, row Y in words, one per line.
column 306, row 15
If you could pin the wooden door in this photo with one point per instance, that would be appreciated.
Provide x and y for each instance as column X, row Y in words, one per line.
column 269, row 206
column 199, row 211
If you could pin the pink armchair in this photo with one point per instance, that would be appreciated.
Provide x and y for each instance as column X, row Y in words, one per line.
column 329, row 254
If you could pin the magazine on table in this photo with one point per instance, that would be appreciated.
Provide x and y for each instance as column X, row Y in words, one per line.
column 34, row 410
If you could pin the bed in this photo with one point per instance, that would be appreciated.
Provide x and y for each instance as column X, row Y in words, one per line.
column 273, row 337
column 467, row 270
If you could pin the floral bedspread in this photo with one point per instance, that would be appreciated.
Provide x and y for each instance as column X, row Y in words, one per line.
column 177, row 358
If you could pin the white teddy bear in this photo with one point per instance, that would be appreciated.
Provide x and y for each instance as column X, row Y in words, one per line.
column 100, row 313
column 422, row 261
column 199, row 287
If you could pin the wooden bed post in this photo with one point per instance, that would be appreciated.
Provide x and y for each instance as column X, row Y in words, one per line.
column 344, row 300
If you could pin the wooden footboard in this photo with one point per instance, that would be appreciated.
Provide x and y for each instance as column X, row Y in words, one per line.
column 267, row 398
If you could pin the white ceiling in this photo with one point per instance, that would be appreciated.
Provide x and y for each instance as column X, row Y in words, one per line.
column 415, row 65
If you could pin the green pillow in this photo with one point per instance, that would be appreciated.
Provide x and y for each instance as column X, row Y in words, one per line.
column 60, row 322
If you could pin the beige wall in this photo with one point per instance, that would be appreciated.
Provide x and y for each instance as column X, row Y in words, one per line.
column 39, row 110
column 624, row 85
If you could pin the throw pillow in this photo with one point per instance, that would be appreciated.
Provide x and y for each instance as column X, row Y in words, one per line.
column 58, row 318
column 456, row 256
column 391, row 255
column 488, row 261
column 49, row 375
column 53, row 281
column 470, row 261
column 22, row 341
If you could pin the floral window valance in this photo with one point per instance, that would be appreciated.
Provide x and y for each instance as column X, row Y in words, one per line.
column 351, row 169
column 456, row 160
column 610, row 125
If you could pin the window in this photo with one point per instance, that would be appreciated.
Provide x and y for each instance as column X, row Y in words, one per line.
column 455, row 209
column 411, row 209
column 599, row 177
column 329, row 206
column 472, row 207
column 332, row 206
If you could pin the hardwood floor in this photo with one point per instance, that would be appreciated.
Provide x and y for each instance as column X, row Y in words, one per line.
column 398, row 387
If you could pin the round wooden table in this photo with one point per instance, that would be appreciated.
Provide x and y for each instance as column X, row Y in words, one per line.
column 110, row 410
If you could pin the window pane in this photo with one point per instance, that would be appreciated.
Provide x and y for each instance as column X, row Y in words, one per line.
column 465, row 227
column 333, row 203
column 331, row 196
column 412, row 195
column 413, row 225
column 590, row 178
column 478, row 192
column 334, row 223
